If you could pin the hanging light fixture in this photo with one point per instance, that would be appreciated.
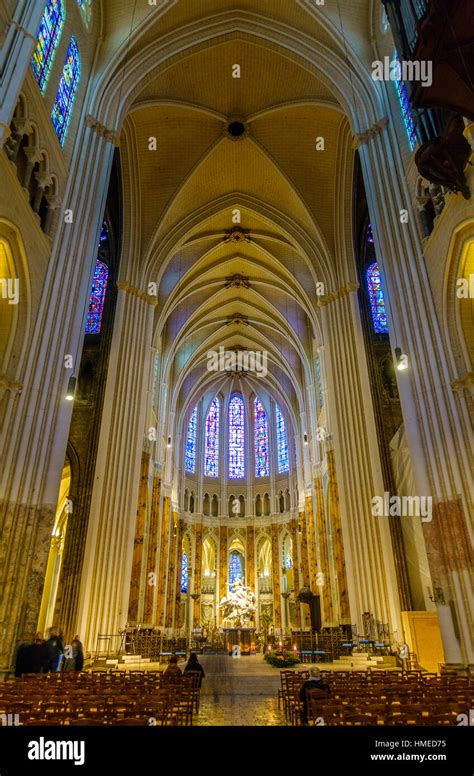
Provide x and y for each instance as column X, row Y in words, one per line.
column 169, row 442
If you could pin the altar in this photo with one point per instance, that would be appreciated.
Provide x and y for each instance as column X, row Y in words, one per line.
column 244, row 638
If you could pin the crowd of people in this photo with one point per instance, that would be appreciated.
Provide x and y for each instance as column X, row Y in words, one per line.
column 48, row 656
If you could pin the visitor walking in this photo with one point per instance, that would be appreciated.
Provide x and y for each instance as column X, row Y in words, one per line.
column 54, row 652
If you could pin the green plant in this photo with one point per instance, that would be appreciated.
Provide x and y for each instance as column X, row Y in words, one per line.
column 281, row 659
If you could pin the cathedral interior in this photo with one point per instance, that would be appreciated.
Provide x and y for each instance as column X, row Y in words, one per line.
column 237, row 274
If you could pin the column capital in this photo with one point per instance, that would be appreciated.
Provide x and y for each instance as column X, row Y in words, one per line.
column 109, row 135
column 376, row 129
column 464, row 383
column 124, row 285
column 43, row 179
column 19, row 28
column 33, row 154
column 22, row 126
column 10, row 385
column 349, row 288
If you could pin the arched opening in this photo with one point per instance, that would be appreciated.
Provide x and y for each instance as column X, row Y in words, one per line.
column 215, row 506
column 206, row 507
column 63, row 509
column 281, row 502
column 266, row 504
column 258, row 505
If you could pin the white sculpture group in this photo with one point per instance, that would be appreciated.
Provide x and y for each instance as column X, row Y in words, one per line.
column 239, row 605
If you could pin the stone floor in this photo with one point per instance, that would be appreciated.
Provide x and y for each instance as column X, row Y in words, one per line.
column 239, row 691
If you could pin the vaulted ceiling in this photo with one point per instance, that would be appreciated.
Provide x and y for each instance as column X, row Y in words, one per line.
column 180, row 200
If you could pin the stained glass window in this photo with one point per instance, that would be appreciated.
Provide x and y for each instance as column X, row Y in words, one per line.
column 47, row 41
column 236, row 567
column 288, row 561
column 262, row 464
column 65, row 96
column 405, row 106
column 99, row 287
column 377, row 301
column 282, row 442
column 191, row 443
column 236, row 438
column 184, row 573
column 86, row 9
column 211, row 457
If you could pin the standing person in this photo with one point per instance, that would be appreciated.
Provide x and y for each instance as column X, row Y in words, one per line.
column 23, row 658
column 76, row 660
column 314, row 682
column 39, row 654
column 194, row 665
column 77, row 644
column 55, row 651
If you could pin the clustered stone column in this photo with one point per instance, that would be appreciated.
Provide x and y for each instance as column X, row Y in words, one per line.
column 163, row 562
column 276, row 569
column 222, row 563
column 153, row 545
column 327, row 610
column 437, row 429
column 18, row 44
column 35, row 431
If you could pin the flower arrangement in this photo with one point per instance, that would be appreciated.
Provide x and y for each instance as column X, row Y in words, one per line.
column 281, row 659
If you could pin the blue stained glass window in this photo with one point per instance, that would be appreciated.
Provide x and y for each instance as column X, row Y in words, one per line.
column 99, row 287
column 236, row 438
column 47, row 41
column 86, row 9
column 211, row 457
column 377, row 301
column 262, row 463
column 190, row 457
column 288, row 561
column 184, row 573
column 65, row 96
column 236, row 567
column 282, row 442
column 405, row 106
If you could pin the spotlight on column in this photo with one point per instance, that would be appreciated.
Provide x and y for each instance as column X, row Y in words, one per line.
column 305, row 438
column 71, row 389
column 401, row 359
column 169, row 442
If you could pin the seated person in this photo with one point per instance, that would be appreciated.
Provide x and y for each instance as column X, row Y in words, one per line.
column 314, row 682
column 194, row 665
column 173, row 668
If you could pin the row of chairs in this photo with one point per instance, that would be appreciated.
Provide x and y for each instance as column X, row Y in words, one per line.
column 96, row 699
column 391, row 698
